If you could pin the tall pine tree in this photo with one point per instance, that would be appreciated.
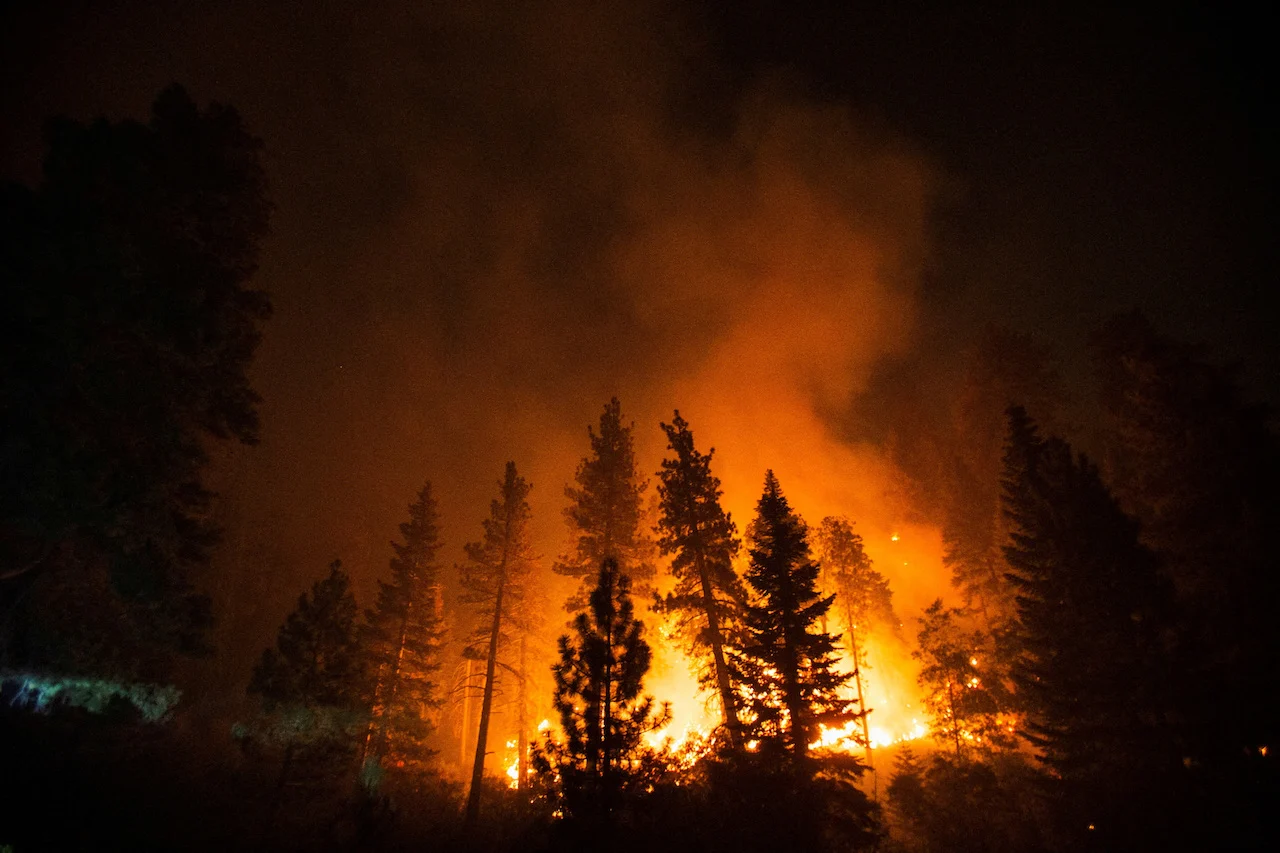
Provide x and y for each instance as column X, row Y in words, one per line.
column 598, row 683
column 605, row 510
column 787, row 663
column 702, row 540
column 403, row 636
column 494, row 579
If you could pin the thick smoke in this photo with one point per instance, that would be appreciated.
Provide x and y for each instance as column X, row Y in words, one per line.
column 491, row 217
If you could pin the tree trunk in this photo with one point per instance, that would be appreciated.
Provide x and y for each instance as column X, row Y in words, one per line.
column 486, row 707
column 862, row 702
column 723, row 685
column 522, row 723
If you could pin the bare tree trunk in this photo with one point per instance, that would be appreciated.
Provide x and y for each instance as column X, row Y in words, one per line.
column 723, row 684
column 522, row 723
column 486, row 708
column 862, row 702
column 466, row 716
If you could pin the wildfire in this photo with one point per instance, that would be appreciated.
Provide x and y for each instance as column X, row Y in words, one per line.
column 513, row 767
column 847, row 738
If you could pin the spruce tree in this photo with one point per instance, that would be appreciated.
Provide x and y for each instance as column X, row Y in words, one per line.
column 701, row 539
column 1092, row 674
column 787, row 664
column 403, row 636
column 605, row 511
column 494, row 579
column 598, row 684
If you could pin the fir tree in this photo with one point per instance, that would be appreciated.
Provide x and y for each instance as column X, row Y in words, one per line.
column 403, row 635
column 494, row 579
column 598, row 683
column 605, row 510
column 702, row 540
column 787, row 664
column 1092, row 676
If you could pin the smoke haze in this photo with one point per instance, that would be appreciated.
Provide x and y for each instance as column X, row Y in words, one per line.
column 492, row 218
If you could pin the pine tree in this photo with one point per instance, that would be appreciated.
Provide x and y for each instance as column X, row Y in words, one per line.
column 495, row 579
column 598, row 683
column 787, row 663
column 1003, row 367
column 315, row 662
column 862, row 595
column 1092, row 675
column 962, row 696
column 702, row 540
column 310, row 684
column 605, row 511
column 403, row 636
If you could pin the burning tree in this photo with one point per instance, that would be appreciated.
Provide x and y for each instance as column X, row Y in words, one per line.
column 605, row 511
column 597, row 695
column 494, row 580
column 964, row 699
column 403, row 636
column 787, row 669
column 702, row 539
column 863, row 595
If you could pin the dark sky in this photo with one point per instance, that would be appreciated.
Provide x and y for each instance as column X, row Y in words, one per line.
column 492, row 216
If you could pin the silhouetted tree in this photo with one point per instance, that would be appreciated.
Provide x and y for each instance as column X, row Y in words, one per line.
column 598, row 684
column 787, row 663
column 402, row 637
column 963, row 697
column 1198, row 466
column 605, row 510
column 126, row 329
column 1003, row 368
column 702, row 541
column 942, row 805
column 310, row 685
column 1092, row 675
column 494, row 579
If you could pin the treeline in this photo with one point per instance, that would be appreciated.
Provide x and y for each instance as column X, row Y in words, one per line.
column 349, row 705
column 1102, row 680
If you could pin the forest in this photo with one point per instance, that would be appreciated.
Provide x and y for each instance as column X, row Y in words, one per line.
column 1085, row 659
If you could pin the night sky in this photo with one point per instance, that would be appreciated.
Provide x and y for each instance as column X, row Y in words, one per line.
column 491, row 217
